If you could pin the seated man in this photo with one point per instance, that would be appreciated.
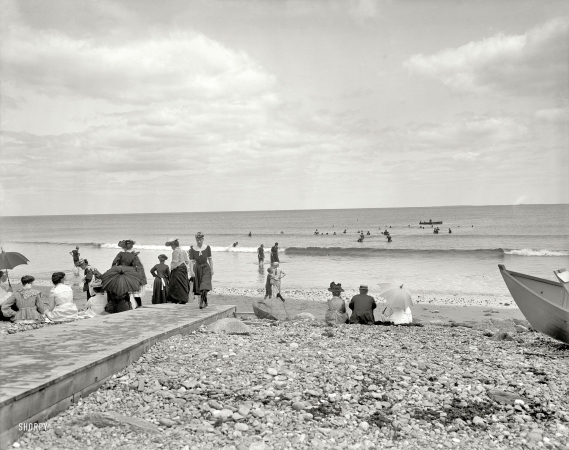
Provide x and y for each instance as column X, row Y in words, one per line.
column 362, row 306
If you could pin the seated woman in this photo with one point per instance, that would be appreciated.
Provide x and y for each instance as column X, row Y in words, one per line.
column 61, row 307
column 27, row 300
column 336, row 313
column 96, row 304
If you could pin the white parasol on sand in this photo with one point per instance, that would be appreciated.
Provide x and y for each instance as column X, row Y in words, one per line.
column 396, row 295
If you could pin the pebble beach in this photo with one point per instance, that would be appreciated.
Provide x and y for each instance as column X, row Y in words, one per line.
column 302, row 384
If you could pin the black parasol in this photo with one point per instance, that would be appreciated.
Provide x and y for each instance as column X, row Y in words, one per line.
column 120, row 280
column 9, row 260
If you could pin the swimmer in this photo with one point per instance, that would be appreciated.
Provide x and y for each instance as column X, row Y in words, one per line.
column 249, row 234
column 235, row 244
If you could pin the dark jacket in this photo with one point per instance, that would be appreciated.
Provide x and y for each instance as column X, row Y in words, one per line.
column 362, row 306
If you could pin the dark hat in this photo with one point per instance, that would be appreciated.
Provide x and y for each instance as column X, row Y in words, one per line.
column 363, row 286
column 169, row 241
column 335, row 287
column 162, row 256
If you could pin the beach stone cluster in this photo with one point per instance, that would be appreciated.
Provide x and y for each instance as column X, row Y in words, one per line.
column 302, row 385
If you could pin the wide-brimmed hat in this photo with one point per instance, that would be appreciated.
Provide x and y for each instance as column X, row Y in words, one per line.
column 199, row 234
column 363, row 286
column 335, row 287
column 162, row 256
column 169, row 241
column 121, row 244
column 96, row 282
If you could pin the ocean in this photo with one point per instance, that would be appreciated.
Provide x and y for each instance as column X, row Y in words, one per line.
column 533, row 239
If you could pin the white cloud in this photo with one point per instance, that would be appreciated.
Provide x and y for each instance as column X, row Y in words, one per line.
column 534, row 63
column 179, row 66
column 554, row 115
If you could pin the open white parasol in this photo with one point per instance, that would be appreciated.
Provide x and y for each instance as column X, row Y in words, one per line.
column 395, row 295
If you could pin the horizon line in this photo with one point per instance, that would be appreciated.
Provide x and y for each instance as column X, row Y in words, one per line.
column 280, row 210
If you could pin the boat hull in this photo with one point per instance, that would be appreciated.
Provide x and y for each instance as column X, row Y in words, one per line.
column 542, row 302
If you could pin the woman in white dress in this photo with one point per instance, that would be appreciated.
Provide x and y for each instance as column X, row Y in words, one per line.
column 97, row 302
column 61, row 307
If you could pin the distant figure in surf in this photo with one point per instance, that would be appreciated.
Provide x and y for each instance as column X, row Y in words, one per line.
column 388, row 239
column 316, row 232
column 368, row 233
column 344, row 231
column 75, row 255
column 235, row 244
column 261, row 255
column 249, row 234
column 275, row 253
column 449, row 231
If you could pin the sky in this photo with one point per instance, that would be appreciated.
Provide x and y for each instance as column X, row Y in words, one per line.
column 179, row 105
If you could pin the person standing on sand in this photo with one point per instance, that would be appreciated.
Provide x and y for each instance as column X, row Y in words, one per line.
column 161, row 274
column 75, row 255
column 179, row 287
column 278, row 275
column 90, row 273
column 275, row 253
column 261, row 255
column 201, row 268
column 362, row 306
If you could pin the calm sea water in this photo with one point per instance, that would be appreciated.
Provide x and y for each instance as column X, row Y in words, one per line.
column 532, row 239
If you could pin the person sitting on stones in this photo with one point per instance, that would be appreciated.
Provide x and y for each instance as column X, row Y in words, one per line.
column 28, row 301
column 362, row 306
column 336, row 313
column 61, row 307
column 96, row 304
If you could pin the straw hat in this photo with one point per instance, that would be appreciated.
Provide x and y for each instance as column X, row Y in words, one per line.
column 199, row 234
column 335, row 287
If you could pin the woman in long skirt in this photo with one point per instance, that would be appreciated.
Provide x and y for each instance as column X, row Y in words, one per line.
column 128, row 257
column 179, row 287
column 201, row 269
column 161, row 274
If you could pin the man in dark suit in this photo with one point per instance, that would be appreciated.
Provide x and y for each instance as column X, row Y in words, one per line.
column 362, row 306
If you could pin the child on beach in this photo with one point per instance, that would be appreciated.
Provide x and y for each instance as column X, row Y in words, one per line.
column 269, row 284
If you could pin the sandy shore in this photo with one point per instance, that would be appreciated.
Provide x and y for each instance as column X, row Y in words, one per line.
column 435, row 309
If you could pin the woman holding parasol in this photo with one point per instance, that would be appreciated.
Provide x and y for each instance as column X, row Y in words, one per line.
column 179, row 286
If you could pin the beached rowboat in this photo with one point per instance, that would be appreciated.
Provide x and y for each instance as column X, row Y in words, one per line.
column 431, row 223
column 544, row 303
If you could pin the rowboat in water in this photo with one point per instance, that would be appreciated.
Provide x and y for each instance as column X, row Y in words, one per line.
column 544, row 303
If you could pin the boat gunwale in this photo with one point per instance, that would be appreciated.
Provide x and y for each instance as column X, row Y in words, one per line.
column 529, row 277
column 512, row 275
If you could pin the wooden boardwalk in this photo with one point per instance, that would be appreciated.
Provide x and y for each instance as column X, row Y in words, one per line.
column 44, row 371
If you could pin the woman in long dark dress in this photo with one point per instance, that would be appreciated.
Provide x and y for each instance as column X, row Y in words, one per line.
column 179, row 287
column 201, row 269
column 161, row 274
column 128, row 257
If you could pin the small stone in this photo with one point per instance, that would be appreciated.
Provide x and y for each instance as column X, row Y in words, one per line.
column 226, row 414
column 298, row 406
column 58, row 431
column 166, row 422
column 244, row 410
column 478, row 421
column 520, row 329
column 258, row 446
column 488, row 333
column 258, row 413
column 364, row 426
column 16, row 445
column 272, row 371
column 215, row 405
column 293, row 345
column 307, row 416
column 241, row 427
